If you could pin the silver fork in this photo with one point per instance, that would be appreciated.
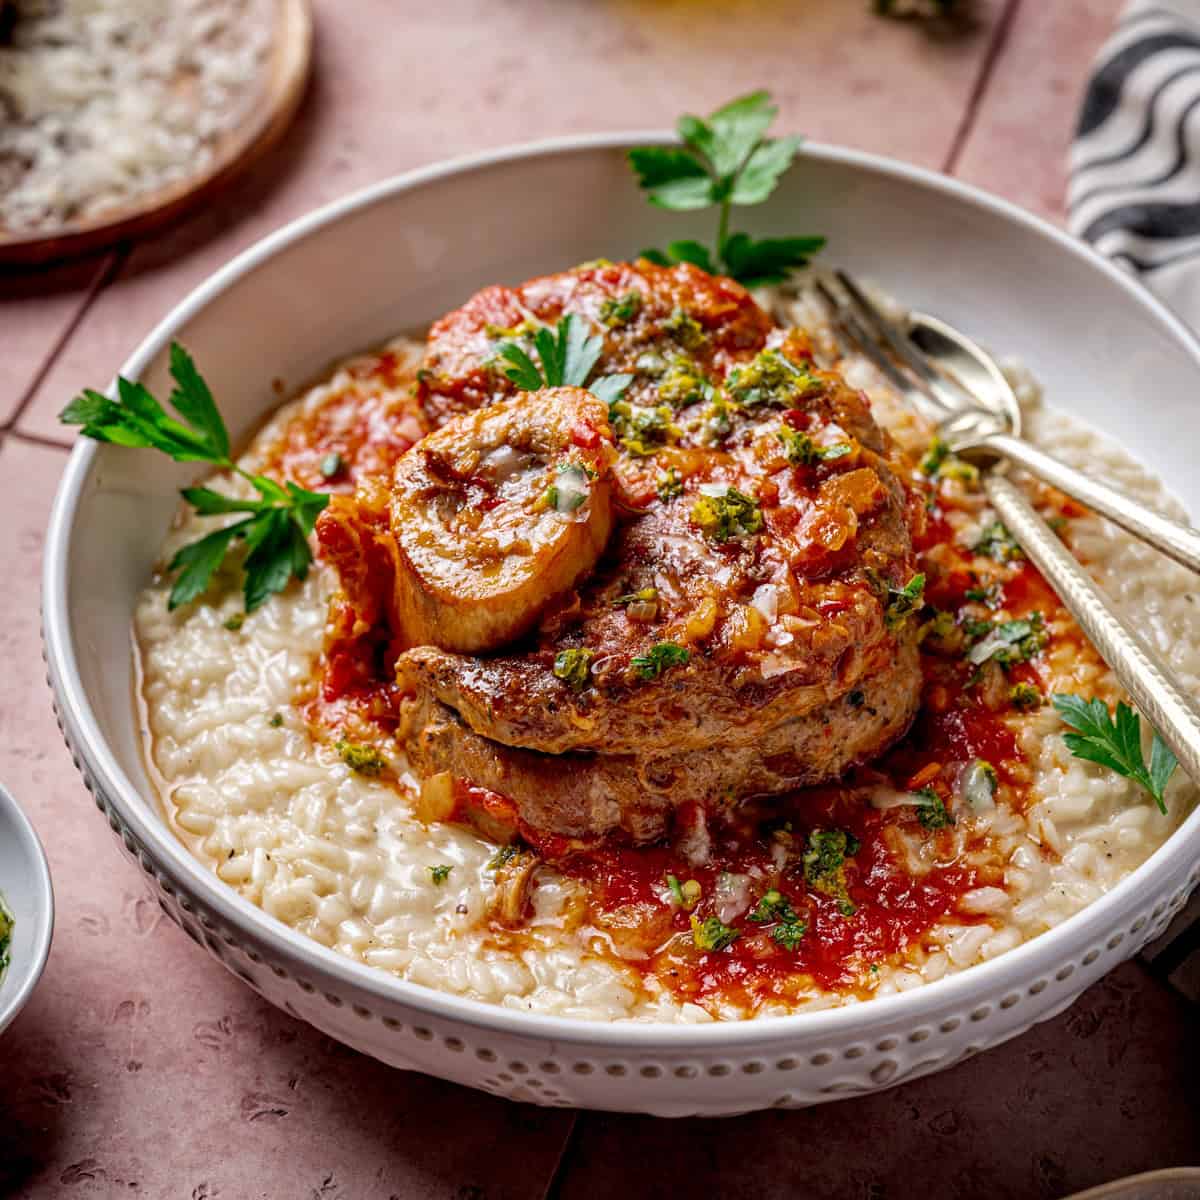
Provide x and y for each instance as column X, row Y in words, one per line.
column 1149, row 682
column 955, row 383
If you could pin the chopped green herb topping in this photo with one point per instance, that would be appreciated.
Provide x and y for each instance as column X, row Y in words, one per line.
column 801, row 451
column 670, row 485
column 1010, row 641
column 773, row 379
column 903, row 602
column 931, row 810
column 996, row 542
column 6, row 928
column 641, row 431
column 712, row 934
column 940, row 628
column 774, row 908
column 235, row 622
column 276, row 721
column 988, row 595
column 1024, row 697
column 574, row 667
column 617, row 312
column 503, row 854
column 686, row 894
column 364, row 760
column 727, row 515
column 939, row 462
column 1116, row 744
column 685, row 329
column 825, row 865
column 441, row 872
column 570, row 489
column 683, row 384
column 789, row 933
column 659, row 658
column 717, row 423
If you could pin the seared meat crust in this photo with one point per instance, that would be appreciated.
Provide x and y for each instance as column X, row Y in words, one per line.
column 590, row 797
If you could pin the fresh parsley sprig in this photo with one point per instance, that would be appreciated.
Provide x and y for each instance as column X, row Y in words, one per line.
column 725, row 161
column 279, row 521
column 1116, row 744
column 567, row 355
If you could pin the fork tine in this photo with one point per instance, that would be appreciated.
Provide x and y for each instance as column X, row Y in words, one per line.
column 900, row 345
column 852, row 331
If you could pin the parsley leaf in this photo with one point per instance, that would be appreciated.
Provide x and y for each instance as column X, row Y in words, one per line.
column 279, row 521
column 1116, row 744
column 659, row 658
column 726, row 160
column 566, row 355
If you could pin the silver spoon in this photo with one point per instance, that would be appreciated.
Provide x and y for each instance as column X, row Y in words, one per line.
column 989, row 426
column 1150, row 683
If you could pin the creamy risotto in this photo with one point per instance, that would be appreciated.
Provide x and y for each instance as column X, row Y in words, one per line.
column 259, row 789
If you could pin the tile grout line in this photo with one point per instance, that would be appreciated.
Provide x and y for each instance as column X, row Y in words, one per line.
column 553, row 1187
column 987, row 68
column 36, row 439
column 112, row 264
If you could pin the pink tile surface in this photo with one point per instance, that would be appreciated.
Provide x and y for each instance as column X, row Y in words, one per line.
column 37, row 310
column 1023, row 127
column 1103, row 1091
column 140, row 1067
column 385, row 98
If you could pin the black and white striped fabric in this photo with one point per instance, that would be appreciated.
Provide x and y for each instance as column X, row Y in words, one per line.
column 1135, row 162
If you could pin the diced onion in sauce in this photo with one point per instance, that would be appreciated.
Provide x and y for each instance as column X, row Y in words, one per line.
column 885, row 798
column 731, row 896
column 977, row 785
column 766, row 600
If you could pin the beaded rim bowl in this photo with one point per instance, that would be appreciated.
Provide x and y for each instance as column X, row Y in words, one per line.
column 388, row 258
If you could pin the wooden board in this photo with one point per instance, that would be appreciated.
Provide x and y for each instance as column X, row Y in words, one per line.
column 282, row 90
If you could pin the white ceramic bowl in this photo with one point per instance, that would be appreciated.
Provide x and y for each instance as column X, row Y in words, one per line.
column 400, row 253
column 28, row 895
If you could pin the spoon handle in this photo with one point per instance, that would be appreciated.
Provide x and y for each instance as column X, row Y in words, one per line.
column 1150, row 683
column 1178, row 541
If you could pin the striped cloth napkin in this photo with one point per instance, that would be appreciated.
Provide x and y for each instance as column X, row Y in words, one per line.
column 1134, row 189
column 1134, row 194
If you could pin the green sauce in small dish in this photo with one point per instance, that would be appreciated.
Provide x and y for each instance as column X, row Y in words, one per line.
column 6, row 928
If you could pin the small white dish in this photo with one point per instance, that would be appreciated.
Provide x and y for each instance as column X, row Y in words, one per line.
column 28, row 895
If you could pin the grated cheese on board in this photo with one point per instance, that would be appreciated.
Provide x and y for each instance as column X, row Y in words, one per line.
column 105, row 101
